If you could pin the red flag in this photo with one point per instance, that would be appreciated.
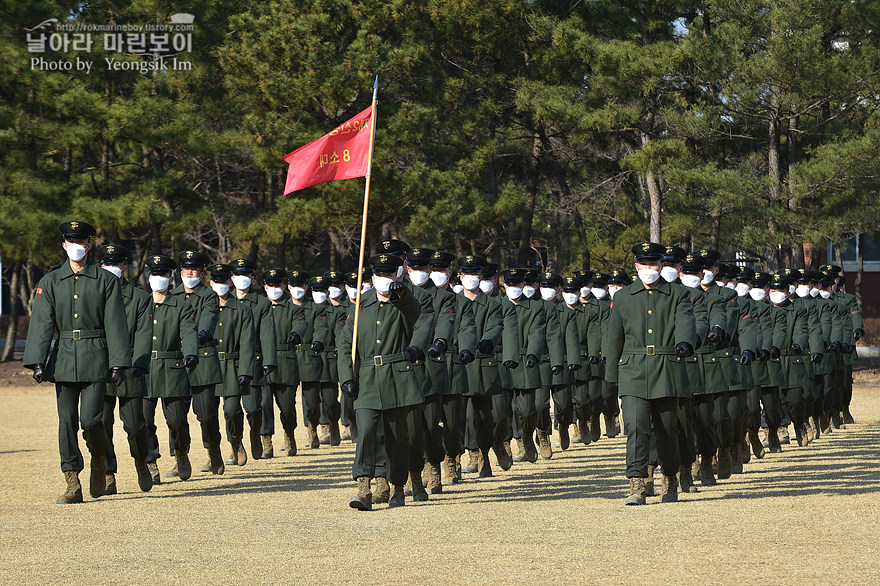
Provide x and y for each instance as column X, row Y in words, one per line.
column 342, row 153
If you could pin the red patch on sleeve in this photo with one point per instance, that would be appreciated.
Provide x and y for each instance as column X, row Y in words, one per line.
column 39, row 290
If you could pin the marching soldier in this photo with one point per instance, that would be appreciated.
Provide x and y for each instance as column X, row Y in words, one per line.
column 554, row 378
column 584, row 316
column 854, row 330
column 347, row 418
column 84, row 305
column 603, row 397
column 328, row 432
column 115, row 259
column 650, row 333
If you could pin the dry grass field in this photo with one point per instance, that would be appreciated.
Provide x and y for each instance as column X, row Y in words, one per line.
column 808, row 515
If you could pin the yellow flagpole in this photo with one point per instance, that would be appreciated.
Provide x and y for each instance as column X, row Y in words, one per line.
column 357, row 301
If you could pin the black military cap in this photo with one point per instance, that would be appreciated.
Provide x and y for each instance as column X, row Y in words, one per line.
column 442, row 259
column 274, row 276
column 220, row 272
column 192, row 259
column 571, row 284
column 335, row 277
column 243, row 265
column 780, row 281
column 76, row 230
column 531, row 276
column 386, row 263
column 297, row 277
column 584, row 275
column 830, row 269
column 514, row 275
column 827, row 281
column 114, row 254
column 159, row 263
column 673, row 254
column 710, row 257
column 814, row 276
column 597, row 279
column 733, row 271
column 319, row 283
column 351, row 279
column 760, row 279
column 618, row 277
column 391, row 246
column 490, row 269
column 692, row 263
column 745, row 274
column 550, row 279
column 792, row 274
column 419, row 256
column 471, row 263
column 722, row 271
column 648, row 251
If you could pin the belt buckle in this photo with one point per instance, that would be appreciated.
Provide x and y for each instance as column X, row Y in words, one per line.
column 221, row 355
column 650, row 350
column 154, row 355
column 77, row 334
column 298, row 348
column 377, row 361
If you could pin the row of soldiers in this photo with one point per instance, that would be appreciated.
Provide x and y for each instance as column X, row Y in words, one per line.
column 446, row 363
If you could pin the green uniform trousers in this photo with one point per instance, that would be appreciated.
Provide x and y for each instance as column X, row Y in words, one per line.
column 383, row 442
column 131, row 412
column 80, row 405
column 176, row 410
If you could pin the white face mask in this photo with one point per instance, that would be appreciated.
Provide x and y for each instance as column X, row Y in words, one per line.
column 159, row 283
column 440, row 279
column 112, row 269
column 612, row 289
column 598, row 292
column 457, row 289
column 825, row 294
column 220, row 289
column 757, row 294
column 708, row 277
column 486, row 286
column 548, row 294
column 297, row 292
column 513, row 292
column 730, row 285
column 669, row 274
column 585, row 292
column 334, row 292
column 791, row 288
column 814, row 292
column 274, row 293
column 802, row 291
column 777, row 297
column 528, row 291
column 691, row 281
column 742, row 289
column 190, row 282
column 382, row 284
column 419, row 278
column 75, row 252
column 399, row 271
column 241, row 282
column 352, row 292
column 470, row 282
column 319, row 296
column 648, row 275
column 569, row 297
column 366, row 287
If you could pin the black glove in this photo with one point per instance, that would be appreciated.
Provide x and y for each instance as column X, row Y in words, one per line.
column 747, row 357
column 724, row 343
column 190, row 361
column 244, row 380
column 39, row 373
column 137, row 372
column 774, row 352
column 117, row 376
column 858, row 333
column 556, row 369
column 293, row 338
column 796, row 348
column 205, row 337
column 437, row 348
column 466, row 356
column 531, row 361
column 485, row 346
column 511, row 364
column 396, row 290
column 574, row 367
column 268, row 369
column 835, row 346
column 763, row 354
column 851, row 349
column 413, row 353
column 715, row 334
column 683, row 350
column 816, row 357
column 317, row 346
column 350, row 388
column 594, row 360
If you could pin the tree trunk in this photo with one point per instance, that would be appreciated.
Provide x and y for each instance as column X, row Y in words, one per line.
column 860, row 265
column 773, row 175
column 797, row 244
column 525, row 235
column 14, row 312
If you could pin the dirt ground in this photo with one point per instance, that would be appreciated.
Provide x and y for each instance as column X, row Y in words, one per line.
column 806, row 515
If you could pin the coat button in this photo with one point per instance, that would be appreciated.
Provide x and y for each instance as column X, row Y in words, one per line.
column 155, row 321
column 220, row 324
column 76, row 278
column 75, row 315
column 221, row 340
column 378, row 322
column 154, row 337
column 76, row 296
column 650, row 331
column 650, row 312
column 650, row 292
column 378, row 341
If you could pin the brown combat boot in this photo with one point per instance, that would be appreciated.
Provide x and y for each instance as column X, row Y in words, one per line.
column 256, row 443
column 773, row 440
column 313, row 442
column 289, row 443
column 335, row 438
column 173, row 472
column 724, row 463
column 765, row 437
column 544, row 446
column 520, row 451
column 612, row 427
column 636, row 492
column 837, row 420
column 145, row 480
column 110, row 484
column 215, row 459
column 419, row 494
column 184, row 468
column 364, row 499
column 847, row 416
column 324, row 433
column 695, row 467
column 817, row 427
column 239, row 451
column 268, row 450
column 435, row 484
column 784, row 435
column 473, row 462
column 207, row 466
column 74, row 492
column 649, row 481
column 686, row 479
column 745, row 454
column 155, row 477
column 383, row 491
column 505, row 461
column 564, row 439
column 757, row 444
column 574, row 433
column 595, row 429
column 707, row 474
column 451, row 473
column 346, row 434
column 529, row 449
column 825, row 423
column 397, row 498
column 736, row 465
column 670, row 489
column 484, row 467
column 97, row 479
